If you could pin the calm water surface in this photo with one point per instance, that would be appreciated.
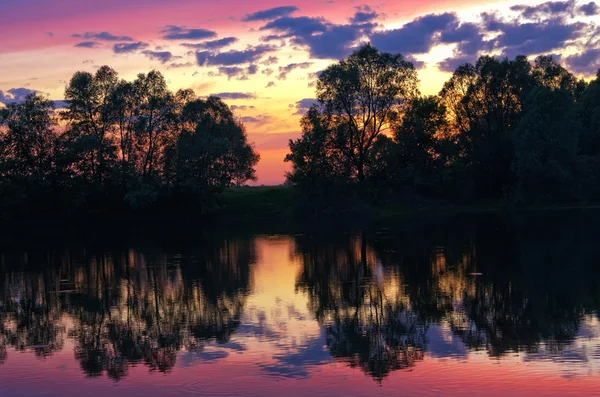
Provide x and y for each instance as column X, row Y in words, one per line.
column 474, row 306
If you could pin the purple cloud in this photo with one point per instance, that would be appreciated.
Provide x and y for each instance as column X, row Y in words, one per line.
column 233, row 57
column 271, row 13
column 173, row 32
column 212, row 45
column 126, row 48
column 105, row 36
column 162, row 56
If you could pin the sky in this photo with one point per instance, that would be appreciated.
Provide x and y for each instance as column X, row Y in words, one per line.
column 263, row 57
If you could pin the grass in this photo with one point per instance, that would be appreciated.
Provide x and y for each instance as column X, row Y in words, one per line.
column 257, row 202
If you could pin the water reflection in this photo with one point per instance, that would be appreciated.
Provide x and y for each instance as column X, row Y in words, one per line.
column 122, row 309
column 379, row 301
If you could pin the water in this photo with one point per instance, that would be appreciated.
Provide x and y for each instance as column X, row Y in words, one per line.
column 468, row 306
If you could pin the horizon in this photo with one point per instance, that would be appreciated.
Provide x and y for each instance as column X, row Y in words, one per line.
column 263, row 59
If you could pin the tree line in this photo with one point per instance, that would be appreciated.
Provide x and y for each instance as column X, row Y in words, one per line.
column 119, row 145
column 499, row 129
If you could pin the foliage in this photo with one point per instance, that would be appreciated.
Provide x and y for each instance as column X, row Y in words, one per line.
column 499, row 129
column 120, row 145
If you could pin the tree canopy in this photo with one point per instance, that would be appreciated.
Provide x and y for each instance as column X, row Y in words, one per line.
column 120, row 144
column 499, row 129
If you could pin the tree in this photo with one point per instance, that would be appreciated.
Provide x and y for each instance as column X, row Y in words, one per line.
column 421, row 149
column 27, row 152
column 546, row 147
column 154, row 120
column 211, row 152
column 487, row 115
column 90, row 119
column 360, row 97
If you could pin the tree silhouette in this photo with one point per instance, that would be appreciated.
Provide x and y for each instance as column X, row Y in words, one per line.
column 359, row 98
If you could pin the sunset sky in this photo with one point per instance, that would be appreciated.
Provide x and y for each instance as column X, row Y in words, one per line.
column 262, row 57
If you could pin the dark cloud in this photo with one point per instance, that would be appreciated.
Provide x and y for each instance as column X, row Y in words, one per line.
column 324, row 39
column 450, row 64
column 364, row 14
column 241, row 107
column 181, row 65
column 538, row 37
column 270, row 61
column 285, row 70
column 15, row 95
column 302, row 106
column 589, row 9
column 586, row 63
column 416, row 37
column 212, row 45
column 87, row 44
column 49, row 34
column 172, row 32
column 553, row 30
column 240, row 73
column 126, row 48
column 105, row 36
column 233, row 57
column 259, row 120
column 362, row 17
column 232, row 71
column 60, row 104
column 162, row 56
column 270, row 84
column 272, row 13
column 235, row 95
column 551, row 8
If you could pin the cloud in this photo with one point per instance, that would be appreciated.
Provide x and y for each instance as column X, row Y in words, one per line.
column 105, row 36
column 212, row 45
column 270, row 84
column 126, row 48
column 87, row 44
column 241, row 107
column 176, row 65
column 538, row 37
column 416, row 37
column 551, row 30
column 173, row 32
column 271, row 13
column 589, row 9
column 233, row 57
column 270, row 61
column 49, row 34
column 162, row 56
column 551, row 8
column 285, row 70
column 232, row 71
column 235, row 95
column 60, row 104
column 15, row 95
column 585, row 63
column 258, row 121
column 364, row 14
column 324, row 39
column 303, row 105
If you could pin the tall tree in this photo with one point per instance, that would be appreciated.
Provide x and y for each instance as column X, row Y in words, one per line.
column 211, row 152
column 546, row 147
column 90, row 119
column 361, row 96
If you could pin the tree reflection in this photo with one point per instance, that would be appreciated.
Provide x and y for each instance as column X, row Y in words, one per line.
column 369, row 322
column 501, row 285
column 128, row 308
